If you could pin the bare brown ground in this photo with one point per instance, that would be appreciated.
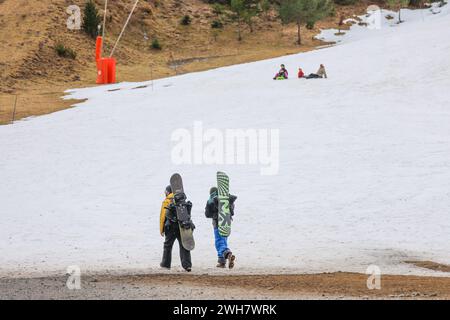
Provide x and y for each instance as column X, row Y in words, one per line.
column 190, row 286
column 430, row 265
column 321, row 285
column 26, row 104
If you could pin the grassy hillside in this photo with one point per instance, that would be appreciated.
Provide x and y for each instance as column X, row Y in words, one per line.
column 31, row 29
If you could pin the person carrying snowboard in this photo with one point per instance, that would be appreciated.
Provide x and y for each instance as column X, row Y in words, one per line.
column 283, row 74
column 224, row 253
column 170, row 230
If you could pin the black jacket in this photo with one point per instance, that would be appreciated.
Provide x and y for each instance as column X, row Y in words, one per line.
column 212, row 208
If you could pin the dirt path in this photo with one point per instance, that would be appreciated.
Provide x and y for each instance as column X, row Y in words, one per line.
column 186, row 286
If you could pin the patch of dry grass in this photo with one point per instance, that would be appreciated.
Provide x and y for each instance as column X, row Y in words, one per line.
column 31, row 104
column 431, row 265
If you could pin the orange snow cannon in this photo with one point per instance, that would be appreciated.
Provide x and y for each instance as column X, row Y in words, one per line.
column 106, row 67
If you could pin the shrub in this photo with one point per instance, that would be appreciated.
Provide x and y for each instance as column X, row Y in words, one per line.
column 186, row 20
column 156, row 45
column 310, row 25
column 218, row 9
column 217, row 24
column 65, row 52
column 346, row 2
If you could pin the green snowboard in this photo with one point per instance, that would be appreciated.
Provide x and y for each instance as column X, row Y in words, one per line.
column 223, row 186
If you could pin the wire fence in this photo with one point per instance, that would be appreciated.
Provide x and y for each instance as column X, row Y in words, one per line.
column 18, row 106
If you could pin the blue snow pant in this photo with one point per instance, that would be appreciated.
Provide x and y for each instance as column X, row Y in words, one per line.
column 221, row 246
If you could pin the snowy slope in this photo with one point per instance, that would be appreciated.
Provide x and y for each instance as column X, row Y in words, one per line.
column 378, row 18
column 364, row 164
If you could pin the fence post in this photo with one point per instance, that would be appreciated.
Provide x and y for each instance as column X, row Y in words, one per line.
column 14, row 112
column 151, row 75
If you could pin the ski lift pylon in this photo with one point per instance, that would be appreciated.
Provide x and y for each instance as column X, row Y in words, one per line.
column 106, row 67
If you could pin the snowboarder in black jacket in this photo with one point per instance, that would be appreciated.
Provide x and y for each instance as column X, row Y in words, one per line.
column 212, row 211
column 170, row 229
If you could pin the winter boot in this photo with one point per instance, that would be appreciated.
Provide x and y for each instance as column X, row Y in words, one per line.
column 221, row 263
column 230, row 257
column 164, row 267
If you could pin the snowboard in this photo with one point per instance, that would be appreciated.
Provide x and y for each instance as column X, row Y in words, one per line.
column 184, row 220
column 223, row 186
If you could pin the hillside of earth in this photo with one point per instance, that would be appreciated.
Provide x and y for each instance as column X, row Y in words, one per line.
column 33, row 76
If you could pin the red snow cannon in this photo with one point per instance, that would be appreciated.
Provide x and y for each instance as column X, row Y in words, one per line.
column 106, row 67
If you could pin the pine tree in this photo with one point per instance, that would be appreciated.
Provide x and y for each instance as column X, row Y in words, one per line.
column 249, row 14
column 304, row 12
column 239, row 10
column 265, row 7
column 91, row 20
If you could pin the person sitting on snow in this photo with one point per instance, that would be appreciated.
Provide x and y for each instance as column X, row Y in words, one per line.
column 321, row 73
column 282, row 74
column 301, row 74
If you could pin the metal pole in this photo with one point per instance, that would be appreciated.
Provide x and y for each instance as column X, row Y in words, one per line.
column 123, row 29
column 14, row 112
column 173, row 62
column 151, row 74
column 104, row 25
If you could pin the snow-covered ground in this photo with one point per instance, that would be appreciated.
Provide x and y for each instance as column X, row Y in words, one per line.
column 364, row 174
column 378, row 18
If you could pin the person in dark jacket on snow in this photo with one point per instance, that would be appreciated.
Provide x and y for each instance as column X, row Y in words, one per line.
column 170, row 229
column 224, row 253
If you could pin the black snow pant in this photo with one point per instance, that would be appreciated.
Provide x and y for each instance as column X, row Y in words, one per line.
column 172, row 233
column 313, row 76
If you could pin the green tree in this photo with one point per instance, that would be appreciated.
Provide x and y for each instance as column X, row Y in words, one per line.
column 239, row 10
column 218, row 9
column 265, row 7
column 398, row 4
column 91, row 20
column 304, row 12
column 249, row 14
